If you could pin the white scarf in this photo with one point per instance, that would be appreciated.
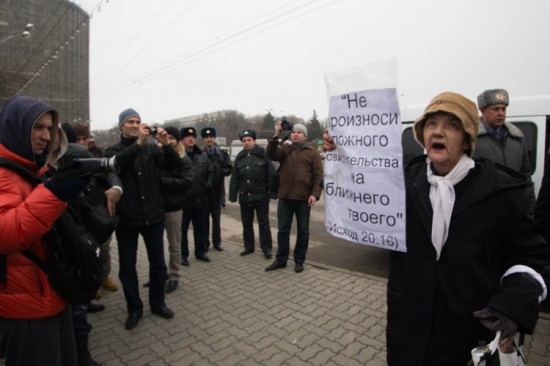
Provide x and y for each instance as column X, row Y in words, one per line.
column 442, row 197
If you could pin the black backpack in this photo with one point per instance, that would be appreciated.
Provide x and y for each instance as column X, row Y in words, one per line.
column 72, row 263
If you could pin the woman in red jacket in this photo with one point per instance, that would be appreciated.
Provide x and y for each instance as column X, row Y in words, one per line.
column 35, row 322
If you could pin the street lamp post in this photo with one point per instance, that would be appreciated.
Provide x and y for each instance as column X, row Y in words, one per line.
column 26, row 33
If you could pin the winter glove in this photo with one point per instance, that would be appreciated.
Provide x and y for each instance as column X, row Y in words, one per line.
column 67, row 188
column 495, row 320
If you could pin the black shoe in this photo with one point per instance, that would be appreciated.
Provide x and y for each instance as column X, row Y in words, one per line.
column 275, row 265
column 95, row 308
column 185, row 262
column 268, row 255
column 247, row 252
column 171, row 286
column 163, row 312
column 218, row 248
column 299, row 267
column 204, row 258
column 133, row 319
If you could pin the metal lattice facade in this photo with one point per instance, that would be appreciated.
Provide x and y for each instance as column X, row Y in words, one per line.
column 51, row 63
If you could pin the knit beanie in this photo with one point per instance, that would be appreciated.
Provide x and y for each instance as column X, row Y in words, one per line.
column 300, row 127
column 491, row 97
column 457, row 105
column 124, row 115
column 69, row 132
column 174, row 132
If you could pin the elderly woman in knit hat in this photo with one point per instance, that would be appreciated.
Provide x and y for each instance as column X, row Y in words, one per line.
column 474, row 264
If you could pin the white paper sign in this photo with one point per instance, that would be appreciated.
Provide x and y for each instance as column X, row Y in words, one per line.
column 364, row 185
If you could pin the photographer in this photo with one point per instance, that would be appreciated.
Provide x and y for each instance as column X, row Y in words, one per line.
column 35, row 322
column 141, row 211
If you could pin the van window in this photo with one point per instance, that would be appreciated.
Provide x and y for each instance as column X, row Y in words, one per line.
column 411, row 148
column 530, row 131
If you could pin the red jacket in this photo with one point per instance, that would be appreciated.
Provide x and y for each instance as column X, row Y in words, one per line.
column 26, row 215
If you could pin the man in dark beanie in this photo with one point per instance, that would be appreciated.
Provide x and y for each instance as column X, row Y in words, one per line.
column 498, row 140
column 195, row 203
column 141, row 211
column 221, row 164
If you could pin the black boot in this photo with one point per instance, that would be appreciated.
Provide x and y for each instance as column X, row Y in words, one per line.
column 84, row 358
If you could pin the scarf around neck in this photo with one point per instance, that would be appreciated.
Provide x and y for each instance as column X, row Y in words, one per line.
column 442, row 197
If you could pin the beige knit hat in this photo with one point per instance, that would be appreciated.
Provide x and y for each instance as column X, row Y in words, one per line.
column 457, row 105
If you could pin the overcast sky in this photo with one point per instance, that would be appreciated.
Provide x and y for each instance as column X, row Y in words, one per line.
column 175, row 58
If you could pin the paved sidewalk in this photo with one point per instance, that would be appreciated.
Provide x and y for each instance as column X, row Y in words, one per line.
column 232, row 312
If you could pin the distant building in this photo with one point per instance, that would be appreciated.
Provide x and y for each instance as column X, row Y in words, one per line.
column 49, row 62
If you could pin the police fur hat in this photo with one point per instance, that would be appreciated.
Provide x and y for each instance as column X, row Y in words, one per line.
column 247, row 133
column 491, row 97
column 188, row 131
column 457, row 105
column 208, row 131
column 81, row 129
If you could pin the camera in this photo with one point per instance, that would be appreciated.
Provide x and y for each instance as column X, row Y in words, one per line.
column 286, row 126
column 153, row 131
column 90, row 166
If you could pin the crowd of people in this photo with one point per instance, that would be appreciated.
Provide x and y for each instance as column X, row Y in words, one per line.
column 461, row 278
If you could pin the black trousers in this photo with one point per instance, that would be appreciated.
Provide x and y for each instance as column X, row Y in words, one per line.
column 247, row 218
column 214, row 212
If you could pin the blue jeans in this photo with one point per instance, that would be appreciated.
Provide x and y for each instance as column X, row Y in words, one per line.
column 80, row 319
column 127, row 238
column 286, row 210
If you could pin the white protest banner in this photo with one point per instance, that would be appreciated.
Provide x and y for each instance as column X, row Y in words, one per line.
column 364, row 184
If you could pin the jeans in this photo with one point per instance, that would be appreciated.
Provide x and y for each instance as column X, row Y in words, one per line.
column 80, row 319
column 247, row 218
column 198, row 217
column 286, row 210
column 127, row 238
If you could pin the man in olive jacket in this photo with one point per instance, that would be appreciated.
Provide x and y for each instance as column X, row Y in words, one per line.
column 300, row 186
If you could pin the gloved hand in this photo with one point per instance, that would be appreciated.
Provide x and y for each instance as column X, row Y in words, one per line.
column 67, row 188
column 494, row 320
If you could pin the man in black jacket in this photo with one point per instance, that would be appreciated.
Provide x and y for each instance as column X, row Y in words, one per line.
column 221, row 164
column 141, row 211
column 196, row 199
column 251, row 181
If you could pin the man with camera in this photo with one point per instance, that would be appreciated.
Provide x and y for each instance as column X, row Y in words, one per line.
column 35, row 321
column 141, row 211
column 301, row 174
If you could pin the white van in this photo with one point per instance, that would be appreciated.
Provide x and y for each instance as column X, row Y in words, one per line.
column 530, row 114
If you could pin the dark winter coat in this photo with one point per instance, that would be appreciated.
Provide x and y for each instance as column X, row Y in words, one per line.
column 175, row 184
column 221, row 165
column 301, row 170
column 142, row 203
column 203, row 180
column 252, row 177
column 511, row 152
column 430, row 303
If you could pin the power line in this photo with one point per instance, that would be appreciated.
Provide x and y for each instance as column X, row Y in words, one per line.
column 217, row 45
